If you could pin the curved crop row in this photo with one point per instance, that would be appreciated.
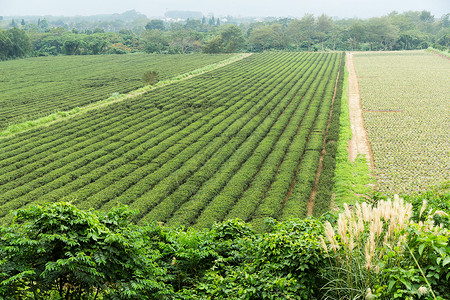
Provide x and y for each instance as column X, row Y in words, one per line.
column 234, row 142
column 36, row 87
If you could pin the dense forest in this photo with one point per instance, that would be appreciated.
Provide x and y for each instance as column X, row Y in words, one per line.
column 133, row 32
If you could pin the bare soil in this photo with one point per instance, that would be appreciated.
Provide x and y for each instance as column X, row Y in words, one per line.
column 359, row 144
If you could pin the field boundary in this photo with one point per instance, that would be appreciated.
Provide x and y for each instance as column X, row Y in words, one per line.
column 359, row 144
column 353, row 180
column 441, row 54
column 114, row 98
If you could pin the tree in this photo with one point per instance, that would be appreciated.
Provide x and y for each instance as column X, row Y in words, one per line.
column 212, row 21
column 155, row 24
column 404, row 22
column 444, row 39
column 98, row 30
column 228, row 41
column 150, row 77
column 445, row 20
column 279, row 37
column 59, row 251
column 260, row 38
column 214, row 45
column 381, row 31
column 5, row 45
column 336, row 34
column 411, row 40
column 232, row 37
column 21, row 45
column 156, row 41
column 195, row 25
column 357, row 32
column 426, row 17
column 308, row 28
column 295, row 34
column 183, row 40
column 72, row 46
column 324, row 26
column 44, row 25
column 96, row 44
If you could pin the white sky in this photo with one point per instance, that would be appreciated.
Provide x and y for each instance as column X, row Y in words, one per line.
column 276, row 8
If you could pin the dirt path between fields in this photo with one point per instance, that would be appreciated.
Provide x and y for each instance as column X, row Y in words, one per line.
column 359, row 144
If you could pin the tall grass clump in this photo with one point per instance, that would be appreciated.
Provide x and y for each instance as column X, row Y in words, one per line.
column 378, row 252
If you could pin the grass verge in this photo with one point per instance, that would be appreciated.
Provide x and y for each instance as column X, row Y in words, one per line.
column 439, row 52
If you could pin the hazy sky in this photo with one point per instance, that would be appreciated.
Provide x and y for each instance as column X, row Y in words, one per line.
column 276, row 8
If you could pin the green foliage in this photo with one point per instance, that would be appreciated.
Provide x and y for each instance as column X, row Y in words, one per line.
column 14, row 43
column 379, row 253
column 150, row 77
column 431, row 251
column 423, row 268
column 437, row 205
column 229, row 40
column 155, row 24
column 280, row 264
column 59, row 249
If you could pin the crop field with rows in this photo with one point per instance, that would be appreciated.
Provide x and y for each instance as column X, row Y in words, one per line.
column 36, row 87
column 243, row 141
column 406, row 107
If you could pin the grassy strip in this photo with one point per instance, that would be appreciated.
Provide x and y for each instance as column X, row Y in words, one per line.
column 439, row 52
column 115, row 97
column 352, row 179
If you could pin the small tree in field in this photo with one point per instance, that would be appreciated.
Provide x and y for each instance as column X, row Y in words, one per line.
column 151, row 77
column 61, row 252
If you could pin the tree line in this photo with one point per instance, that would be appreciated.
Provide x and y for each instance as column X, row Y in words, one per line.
column 405, row 31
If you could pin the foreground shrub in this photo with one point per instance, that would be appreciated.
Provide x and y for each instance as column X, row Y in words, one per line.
column 59, row 251
column 280, row 264
column 434, row 204
column 367, row 252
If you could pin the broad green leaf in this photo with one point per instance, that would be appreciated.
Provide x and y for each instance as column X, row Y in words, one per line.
column 391, row 285
column 421, row 247
column 446, row 261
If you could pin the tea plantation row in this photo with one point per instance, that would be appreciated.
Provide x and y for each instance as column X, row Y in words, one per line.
column 242, row 141
column 36, row 87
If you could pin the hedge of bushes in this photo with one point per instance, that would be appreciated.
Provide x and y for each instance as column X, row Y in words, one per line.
column 373, row 252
